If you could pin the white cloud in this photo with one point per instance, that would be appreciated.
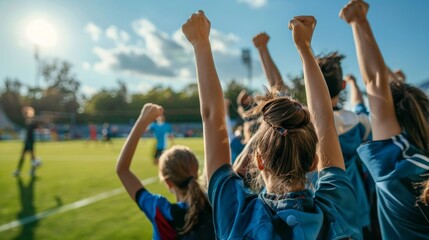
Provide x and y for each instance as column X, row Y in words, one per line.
column 168, row 57
column 254, row 3
column 118, row 36
column 93, row 30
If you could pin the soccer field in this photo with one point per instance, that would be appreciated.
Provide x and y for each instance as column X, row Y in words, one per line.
column 76, row 194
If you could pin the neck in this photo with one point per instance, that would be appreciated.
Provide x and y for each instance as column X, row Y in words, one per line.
column 272, row 186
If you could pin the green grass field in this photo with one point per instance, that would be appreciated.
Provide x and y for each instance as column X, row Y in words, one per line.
column 72, row 171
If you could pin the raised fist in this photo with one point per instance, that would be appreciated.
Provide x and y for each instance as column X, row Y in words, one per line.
column 261, row 40
column 302, row 30
column 197, row 28
column 151, row 111
column 354, row 11
column 349, row 78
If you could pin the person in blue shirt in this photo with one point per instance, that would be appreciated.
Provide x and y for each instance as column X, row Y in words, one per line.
column 285, row 147
column 398, row 156
column 353, row 128
column 191, row 216
column 161, row 130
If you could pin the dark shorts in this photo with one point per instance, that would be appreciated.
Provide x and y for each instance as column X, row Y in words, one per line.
column 158, row 153
column 28, row 146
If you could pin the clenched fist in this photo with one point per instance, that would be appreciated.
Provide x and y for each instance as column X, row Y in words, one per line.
column 197, row 28
column 302, row 30
column 354, row 11
column 261, row 40
column 151, row 111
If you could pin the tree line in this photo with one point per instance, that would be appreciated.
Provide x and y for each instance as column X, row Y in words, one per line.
column 62, row 102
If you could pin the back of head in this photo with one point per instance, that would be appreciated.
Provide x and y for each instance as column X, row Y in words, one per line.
column 286, row 140
column 180, row 166
column 330, row 65
column 412, row 112
column 28, row 112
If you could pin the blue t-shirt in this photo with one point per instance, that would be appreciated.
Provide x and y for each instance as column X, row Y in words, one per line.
column 236, row 147
column 161, row 132
column 166, row 217
column 353, row 129
column 397, row 166
column 328, row 213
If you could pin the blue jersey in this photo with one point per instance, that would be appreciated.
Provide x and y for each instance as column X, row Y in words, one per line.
column 161, row 132
column 353, row 129
column 328, row 213
column 167, row 218
column 236, row 147
column 397, row 166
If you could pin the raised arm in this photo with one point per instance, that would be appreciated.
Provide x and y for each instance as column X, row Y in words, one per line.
column 355, row 93
column 271, row 72
column 374, row 71
column 318, row 99
column 130, row 181
column 216, row 144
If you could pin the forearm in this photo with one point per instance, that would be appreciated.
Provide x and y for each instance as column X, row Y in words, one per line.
column 216, row 143
column 371, row 63
column 130, row 145
column 355, row 94
column 210, row 91
column 271, row 71
column 319, row 104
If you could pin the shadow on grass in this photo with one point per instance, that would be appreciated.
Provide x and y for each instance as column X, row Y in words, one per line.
column 26, row 195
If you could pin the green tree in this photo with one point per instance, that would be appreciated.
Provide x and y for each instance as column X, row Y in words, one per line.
column 11, row 100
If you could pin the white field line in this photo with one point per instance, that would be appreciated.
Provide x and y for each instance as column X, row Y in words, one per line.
column 71, row 206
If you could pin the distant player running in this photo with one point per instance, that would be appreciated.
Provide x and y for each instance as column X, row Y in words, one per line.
column 31, row 123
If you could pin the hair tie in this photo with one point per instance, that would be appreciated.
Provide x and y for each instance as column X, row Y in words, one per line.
column 282, row 131
column 186, row 182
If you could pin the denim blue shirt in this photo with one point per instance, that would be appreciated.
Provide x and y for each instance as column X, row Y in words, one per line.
column 397, row 166
column 328, row 213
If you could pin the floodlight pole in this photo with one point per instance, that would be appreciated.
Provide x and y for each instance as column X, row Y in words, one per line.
column 247, row 60
column 37, row 72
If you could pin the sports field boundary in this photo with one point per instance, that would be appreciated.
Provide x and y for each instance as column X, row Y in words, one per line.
column 74, row 205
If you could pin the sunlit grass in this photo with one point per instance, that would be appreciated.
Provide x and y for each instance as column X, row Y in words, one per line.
column 72, row 171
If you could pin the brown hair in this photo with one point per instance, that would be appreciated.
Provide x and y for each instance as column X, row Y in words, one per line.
column 330, row 65
column 286, row 140
column 180, row 166
column 408, row 98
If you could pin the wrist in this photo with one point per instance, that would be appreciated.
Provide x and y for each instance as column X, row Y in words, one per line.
column 359, row 21
column 201, row 44
column 142, row 120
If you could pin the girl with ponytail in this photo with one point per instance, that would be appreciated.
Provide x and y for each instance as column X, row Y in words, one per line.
column 190, row 217
column 398, row 156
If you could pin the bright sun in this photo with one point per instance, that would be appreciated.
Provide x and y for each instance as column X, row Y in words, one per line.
column 41, row 33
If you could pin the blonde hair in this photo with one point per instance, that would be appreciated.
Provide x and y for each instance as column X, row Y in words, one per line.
column 286, row 140
column 180, row 166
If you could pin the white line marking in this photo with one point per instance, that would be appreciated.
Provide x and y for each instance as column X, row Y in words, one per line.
column 71, row 206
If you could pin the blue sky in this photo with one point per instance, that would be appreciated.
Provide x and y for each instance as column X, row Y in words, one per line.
column 140, row 41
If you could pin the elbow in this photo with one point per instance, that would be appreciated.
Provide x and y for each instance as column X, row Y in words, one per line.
column 121, row 170
column 209, row 114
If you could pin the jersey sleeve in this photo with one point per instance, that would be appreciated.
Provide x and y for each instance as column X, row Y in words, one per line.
column 228, row 197
column 336, row 197
column 153, row 204
column 392, row 158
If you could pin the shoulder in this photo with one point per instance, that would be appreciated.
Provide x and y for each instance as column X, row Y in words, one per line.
column 153, row 204
column 392, row 158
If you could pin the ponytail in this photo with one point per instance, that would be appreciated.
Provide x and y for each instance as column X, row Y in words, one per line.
column 197, row 201
column 424, row 198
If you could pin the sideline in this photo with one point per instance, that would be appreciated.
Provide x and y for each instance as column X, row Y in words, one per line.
column 71, row 206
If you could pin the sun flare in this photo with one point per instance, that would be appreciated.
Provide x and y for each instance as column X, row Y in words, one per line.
column 42, row 33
